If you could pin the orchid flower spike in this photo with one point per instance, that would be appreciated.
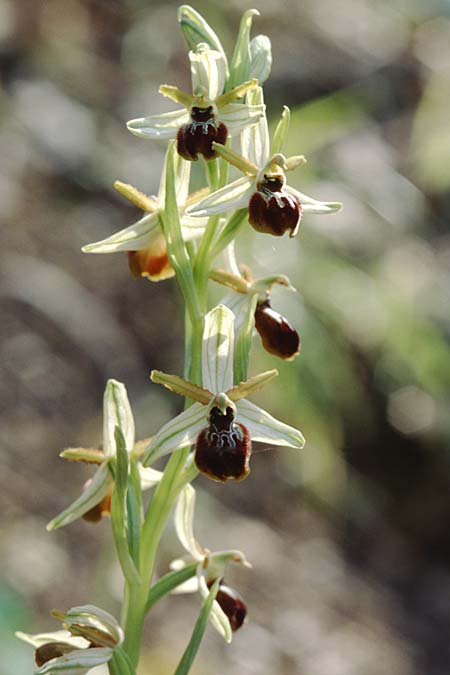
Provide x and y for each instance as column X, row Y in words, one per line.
column 96, row 497
column 208, row 114
column 221, row 423
column 89, row 639
column 144, row 240
column 229, row 611
column 273, row 206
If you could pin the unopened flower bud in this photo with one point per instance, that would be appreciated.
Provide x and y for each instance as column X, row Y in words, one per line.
column 277, row 334
column 223, row 449
column 196, row 137
column 231, row 604
column 272, row 210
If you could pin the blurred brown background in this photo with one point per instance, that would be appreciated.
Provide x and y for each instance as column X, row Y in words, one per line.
column 349, row 539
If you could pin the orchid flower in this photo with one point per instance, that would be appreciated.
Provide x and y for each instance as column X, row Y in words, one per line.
column 208, row 114
column 229, row 611
column 89, row 639
column 273, row 206
column 221, row 423
column 144, row 240
column 92, row 503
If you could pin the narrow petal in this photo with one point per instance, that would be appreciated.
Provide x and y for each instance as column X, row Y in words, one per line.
column 116, row 413
column 184, row 522
column 181, row 386
column 135, row 237
column 310, row 205
column 255, row 144
column 217, row 350
column 161, row 126
column 100, row 486
column 77, row 662
column 265, row 428
column 251, row 385
column 238, row 116
column 218, row 617
column 208, row 70
column 235, row 195
column 180, row 432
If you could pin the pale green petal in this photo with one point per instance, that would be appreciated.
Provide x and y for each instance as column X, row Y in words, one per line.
column 260, row 58
column 149, row 477
column 235, row 195
column 310, row 205
column 238, row 116
column 184, row 522
column 265, row 428
column 56, row 636
column 132, row 238
column 217, row 350
column 208, row 70
column 161, row 126
column 178, row 433
column 217, row 617
column 100, row 486
column 77, row 662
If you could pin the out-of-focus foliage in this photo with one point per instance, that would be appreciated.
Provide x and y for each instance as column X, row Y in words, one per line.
column 349, row 539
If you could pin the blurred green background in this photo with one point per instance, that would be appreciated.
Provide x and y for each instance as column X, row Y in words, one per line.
column 349, row 539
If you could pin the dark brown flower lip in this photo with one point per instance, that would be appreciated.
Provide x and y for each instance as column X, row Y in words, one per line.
column 231, row 603
column 278, row 336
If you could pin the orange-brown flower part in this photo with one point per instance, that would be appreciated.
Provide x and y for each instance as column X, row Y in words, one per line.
column 103, row 508
column 152, row 262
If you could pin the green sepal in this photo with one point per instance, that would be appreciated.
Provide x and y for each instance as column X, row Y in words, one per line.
column 240, row 61
column 168, row 582
column 119, row 517
column 196, row 30
column 243, row 341
column 194, row 643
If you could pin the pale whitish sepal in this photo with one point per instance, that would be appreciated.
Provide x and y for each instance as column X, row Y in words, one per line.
column 184, row 522
column 98, row 488
column 239, row 116
column 265, row 428
column 236, row 195
column 149, row 477
column 78, row 662
column 116, row 413
column 162, row 126
column 208, row 71
column 64, row 636
column 217, row 349
column 177, row 433
column 255, row 142
column 260, row 58
column 217, row 617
